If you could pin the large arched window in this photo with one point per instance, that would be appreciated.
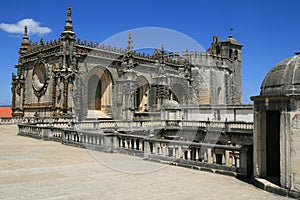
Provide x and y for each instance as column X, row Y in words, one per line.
column 100, row 91
column 142, row 95
column 177, row 93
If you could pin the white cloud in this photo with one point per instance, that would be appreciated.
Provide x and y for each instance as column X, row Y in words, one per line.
column 33, row 27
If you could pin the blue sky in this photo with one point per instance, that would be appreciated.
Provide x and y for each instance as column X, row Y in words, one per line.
column 269, row 30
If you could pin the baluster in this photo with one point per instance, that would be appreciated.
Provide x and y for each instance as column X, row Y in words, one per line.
column 223, row 158
column 174, row 151
column 197, row 154
column 188, row 154
column 209, row 158
column 121, row 142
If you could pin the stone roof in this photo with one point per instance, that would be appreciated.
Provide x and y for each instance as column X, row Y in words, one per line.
column 232, row 40
column 283, row 79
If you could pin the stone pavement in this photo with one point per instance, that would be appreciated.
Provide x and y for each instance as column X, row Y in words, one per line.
column 34, row 169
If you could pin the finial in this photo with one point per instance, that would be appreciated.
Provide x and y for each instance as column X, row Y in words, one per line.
column 25, row 37
column 68, row 29
column 129, row 47
column 69, row 13
column 25, row 31
column 25, row 42
column 42, row 41
column 68, row 26
column 162, row 47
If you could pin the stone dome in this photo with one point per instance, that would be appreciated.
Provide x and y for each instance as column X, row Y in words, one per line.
column 283, row 79
column 232, row 40
column 171, row 104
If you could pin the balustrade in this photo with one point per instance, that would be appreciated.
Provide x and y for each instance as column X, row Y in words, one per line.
column 195, row 153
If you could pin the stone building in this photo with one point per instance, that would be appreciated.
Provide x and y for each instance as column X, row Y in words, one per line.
column 276, row 137
column 75, row 79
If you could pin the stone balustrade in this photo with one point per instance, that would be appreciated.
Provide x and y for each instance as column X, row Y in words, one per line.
column 4, row 121
column 233, row 160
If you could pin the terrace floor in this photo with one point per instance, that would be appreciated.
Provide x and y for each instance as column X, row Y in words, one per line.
column 34, row 169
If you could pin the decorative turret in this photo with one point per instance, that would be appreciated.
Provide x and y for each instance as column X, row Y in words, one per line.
column 25, row 42
column 129, row 47
column 128, row 59
column 163, row 54
column 68, row 32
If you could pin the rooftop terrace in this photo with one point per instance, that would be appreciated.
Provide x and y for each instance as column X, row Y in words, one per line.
column 35, row 169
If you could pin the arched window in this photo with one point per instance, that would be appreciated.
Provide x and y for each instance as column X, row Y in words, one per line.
column 235, row 55
column 100, row 91
column 230, row 53
column 142, row 95
column 218, row 50
column 177, row 93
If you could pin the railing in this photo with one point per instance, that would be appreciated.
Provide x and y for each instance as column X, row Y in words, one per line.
column 147, row 124
column 233, row 160
column 5, row 121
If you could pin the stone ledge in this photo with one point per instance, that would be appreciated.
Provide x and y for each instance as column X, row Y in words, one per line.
column 270, row 187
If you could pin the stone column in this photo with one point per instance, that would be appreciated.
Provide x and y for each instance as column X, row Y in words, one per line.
column 227, row 158
column 160, row 150
column 147, row 149
column 130, row 144
column 166, row 150
column 141, row 145
column 121, row 142
column 179, row 152
column 155, row 147
column 209, row 157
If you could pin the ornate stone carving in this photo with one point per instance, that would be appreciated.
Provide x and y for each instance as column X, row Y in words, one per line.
column 40, row 78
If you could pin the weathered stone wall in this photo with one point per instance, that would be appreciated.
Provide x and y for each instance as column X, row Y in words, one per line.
column 295, row 151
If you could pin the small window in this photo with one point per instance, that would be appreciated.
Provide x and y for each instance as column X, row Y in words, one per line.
column 230, row 53
column 218, row 50
column 235, row 55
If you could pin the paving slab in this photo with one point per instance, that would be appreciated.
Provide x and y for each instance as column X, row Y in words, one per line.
column 35, row 169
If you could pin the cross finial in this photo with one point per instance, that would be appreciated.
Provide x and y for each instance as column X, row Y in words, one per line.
column 231, row 29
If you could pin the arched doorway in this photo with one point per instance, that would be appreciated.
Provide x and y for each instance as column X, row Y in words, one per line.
column 177, row 93
column 142, row 95
column 273, row 146
column 100, row 92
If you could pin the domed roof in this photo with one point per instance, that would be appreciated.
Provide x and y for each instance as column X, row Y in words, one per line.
column 232, row 40
column 283, row 79
column 171, row 104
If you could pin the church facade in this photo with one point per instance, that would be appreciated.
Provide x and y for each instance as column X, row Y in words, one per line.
column 75, row 79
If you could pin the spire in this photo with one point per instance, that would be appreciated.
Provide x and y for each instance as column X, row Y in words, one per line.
column 25, row 37
column 163, row 55
column 25, row 42
column 68, row 26
column 129, row 47
column 68, row 29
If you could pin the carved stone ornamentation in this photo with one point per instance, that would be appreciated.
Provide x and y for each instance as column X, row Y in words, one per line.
column 40, row 78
